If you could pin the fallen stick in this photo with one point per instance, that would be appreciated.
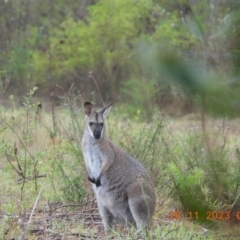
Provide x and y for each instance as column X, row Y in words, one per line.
column 30, row 218
column 30, row 178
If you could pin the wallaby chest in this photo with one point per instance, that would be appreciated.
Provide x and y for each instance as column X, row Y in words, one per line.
column 93, row 156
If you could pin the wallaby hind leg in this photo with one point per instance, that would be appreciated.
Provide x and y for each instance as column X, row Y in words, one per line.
column 141, row 205
column 129, row 220
column 107, row 218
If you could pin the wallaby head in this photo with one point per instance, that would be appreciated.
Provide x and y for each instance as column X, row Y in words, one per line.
column 95, row 119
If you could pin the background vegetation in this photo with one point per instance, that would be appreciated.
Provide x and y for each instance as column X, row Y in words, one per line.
column 129, row 46
column 172, row 70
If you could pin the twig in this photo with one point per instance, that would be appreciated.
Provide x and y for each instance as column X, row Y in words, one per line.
column 25, row 153
column 31, row 178
column 83, row 236
column 100, row 95
column 7, row 82
column 232, row 205
column 171, row 231
column 20, row 140
column 74, row 205
column 159, row 126
column 30, row 218
column 9, row 161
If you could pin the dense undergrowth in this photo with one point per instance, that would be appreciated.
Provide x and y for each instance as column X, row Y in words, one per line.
column 127, row 45
column 195, row 172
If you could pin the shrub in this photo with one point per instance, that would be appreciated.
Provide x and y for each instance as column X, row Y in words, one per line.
column 204, row 177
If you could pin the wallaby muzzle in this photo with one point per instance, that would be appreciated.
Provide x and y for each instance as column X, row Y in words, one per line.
column 97, row 131
column 97, row 134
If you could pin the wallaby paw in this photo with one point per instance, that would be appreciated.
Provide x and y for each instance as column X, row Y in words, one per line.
column 92, row 180
column 98, row 182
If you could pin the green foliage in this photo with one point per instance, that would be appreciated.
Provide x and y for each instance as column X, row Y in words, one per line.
column 141, row 140
column 204, row 179
column 68, row 163
column 140, row 93
column 216, row 93
column 171, row 33
column 103, row 43
column 25, row 163
column 60, row 42
column 70, row 173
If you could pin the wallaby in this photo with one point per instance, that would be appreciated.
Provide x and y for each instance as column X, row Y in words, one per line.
column 122, row 186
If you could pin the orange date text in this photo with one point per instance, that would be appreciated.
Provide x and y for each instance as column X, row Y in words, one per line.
column 209, row 215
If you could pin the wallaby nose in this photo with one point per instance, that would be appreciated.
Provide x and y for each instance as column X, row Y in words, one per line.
column 97, row 134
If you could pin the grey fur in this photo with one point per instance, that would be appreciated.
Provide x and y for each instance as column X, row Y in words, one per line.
column 122, row 186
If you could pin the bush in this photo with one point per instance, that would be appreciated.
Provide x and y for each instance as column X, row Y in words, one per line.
column 204, row 177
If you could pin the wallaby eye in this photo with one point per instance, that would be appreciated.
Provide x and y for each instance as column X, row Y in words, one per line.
column 101, row 124
column 90, row 123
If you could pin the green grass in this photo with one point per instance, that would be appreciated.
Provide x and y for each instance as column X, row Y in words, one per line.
column 176, row 153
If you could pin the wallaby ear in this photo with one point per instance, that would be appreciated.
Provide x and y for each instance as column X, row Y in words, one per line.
column 104, row 111
column 88, row 107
